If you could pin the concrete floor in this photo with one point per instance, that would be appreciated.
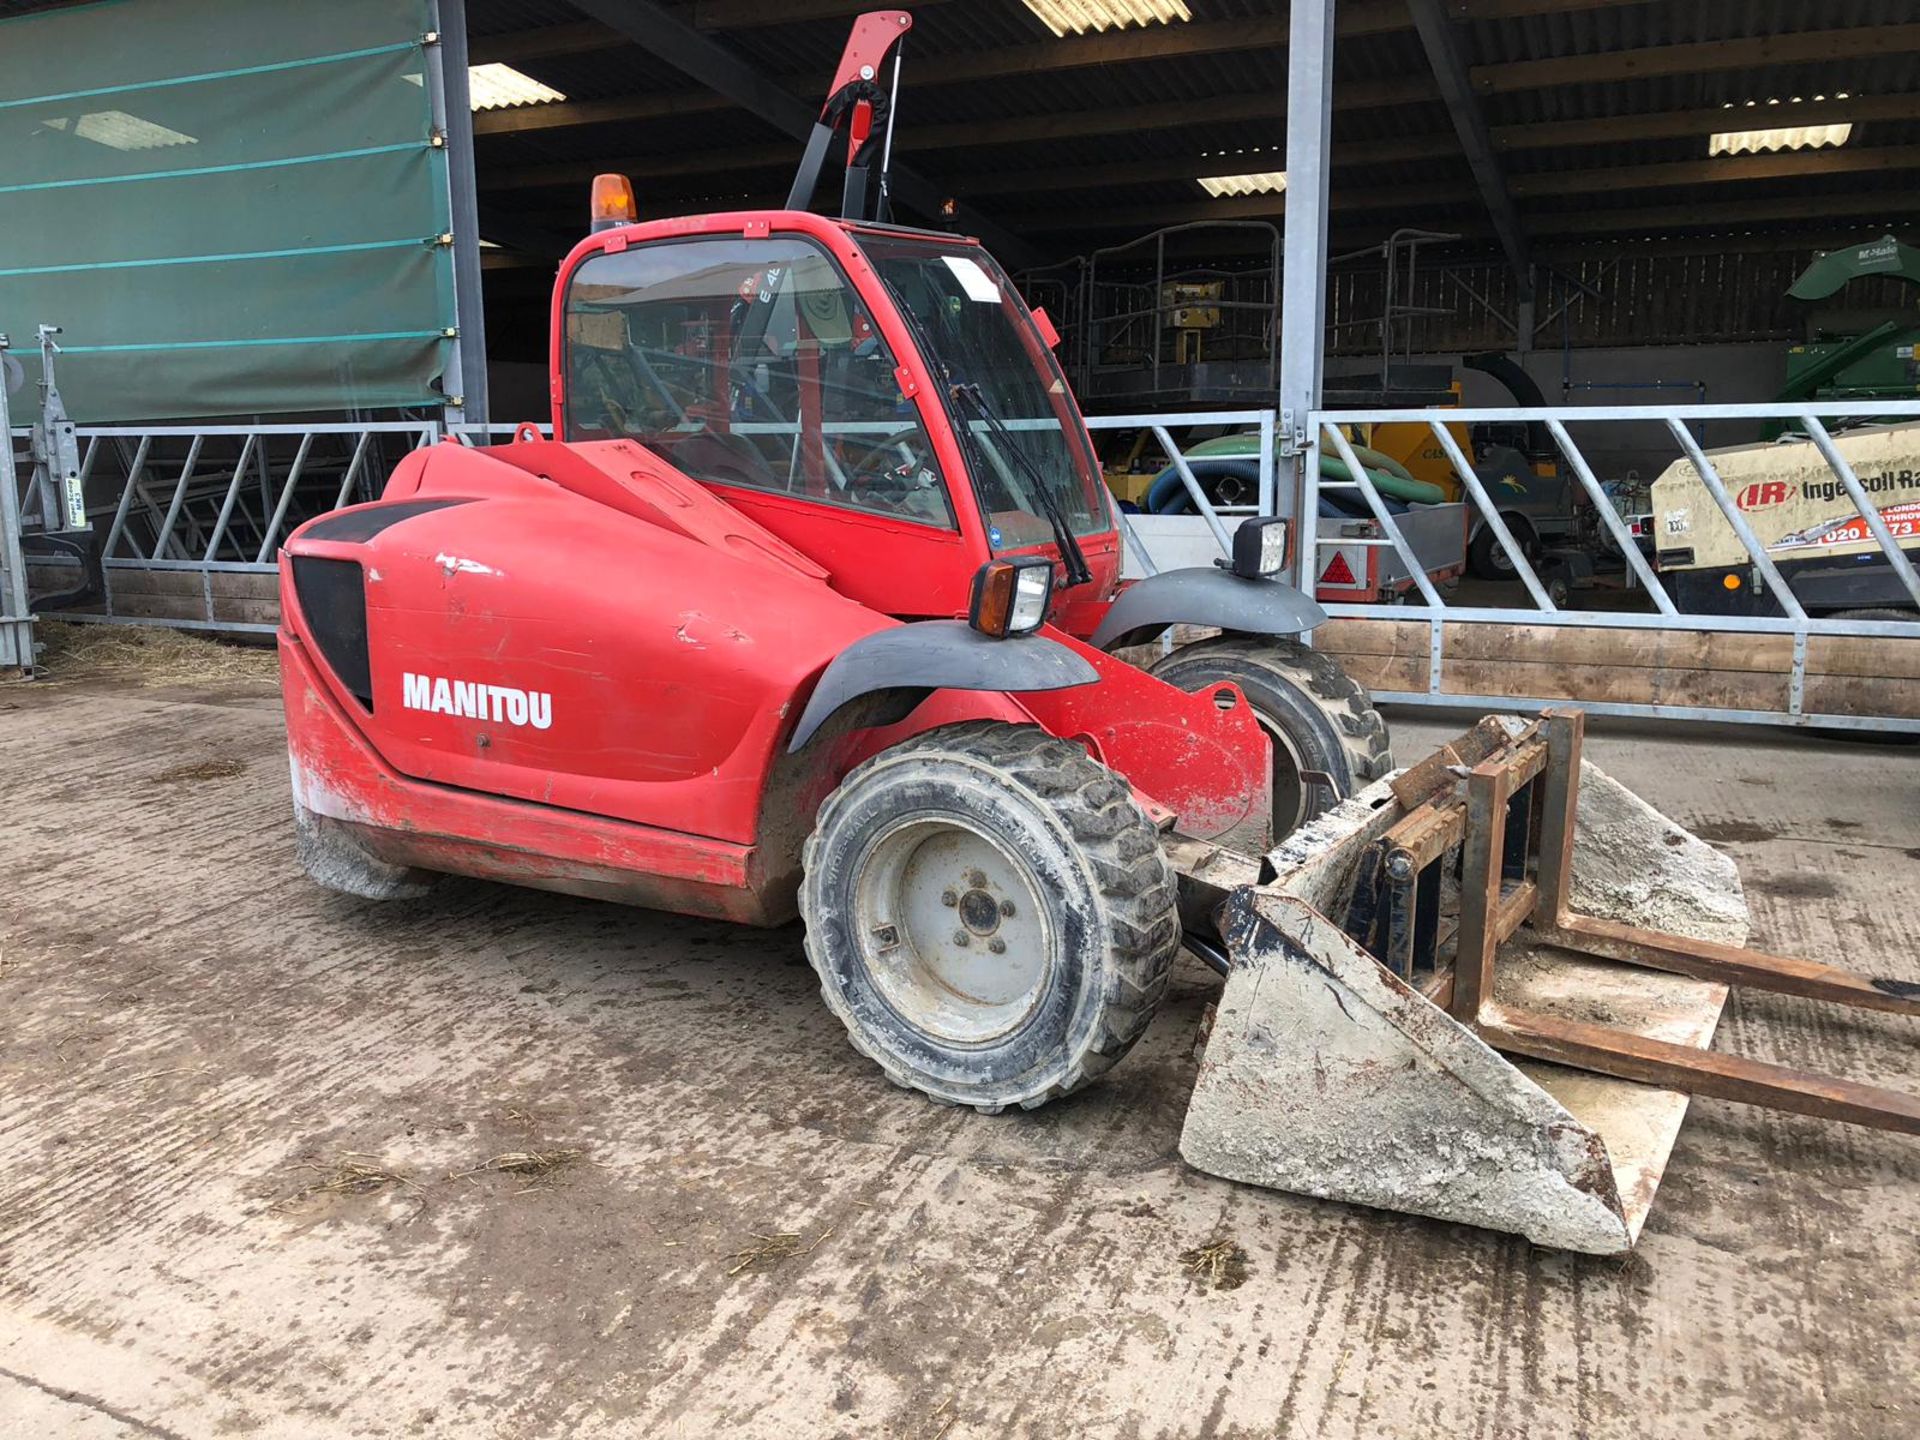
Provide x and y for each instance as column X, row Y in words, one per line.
column 193, row 1037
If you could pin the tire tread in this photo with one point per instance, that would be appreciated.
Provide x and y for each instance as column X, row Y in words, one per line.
column 1345, row 702
column 1136, row 884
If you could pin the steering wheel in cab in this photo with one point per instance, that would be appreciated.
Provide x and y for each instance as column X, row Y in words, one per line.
column 897, row 476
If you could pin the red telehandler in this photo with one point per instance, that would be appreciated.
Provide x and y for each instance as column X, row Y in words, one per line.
column 810, row 601
column 811, row 606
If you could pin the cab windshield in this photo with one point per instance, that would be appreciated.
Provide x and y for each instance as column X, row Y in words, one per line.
column 971, row 323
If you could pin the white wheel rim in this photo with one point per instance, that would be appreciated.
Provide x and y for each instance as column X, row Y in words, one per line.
column 952, row 930
column 1292, row 795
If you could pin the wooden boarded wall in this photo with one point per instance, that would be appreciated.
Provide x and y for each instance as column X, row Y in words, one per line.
column 1846, row 675
column 217, row 597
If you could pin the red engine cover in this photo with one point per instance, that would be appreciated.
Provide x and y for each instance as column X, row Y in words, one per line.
column 634, row 658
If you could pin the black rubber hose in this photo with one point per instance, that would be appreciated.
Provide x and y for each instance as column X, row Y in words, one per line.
column 1208, row 949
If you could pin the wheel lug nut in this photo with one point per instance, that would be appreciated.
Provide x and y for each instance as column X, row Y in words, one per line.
column 962, row 939
column 997, row 945
column 1006, row 908
column 949, row 899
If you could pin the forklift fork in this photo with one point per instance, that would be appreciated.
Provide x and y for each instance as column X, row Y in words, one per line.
column 1509, row 829
column 1379, row 1041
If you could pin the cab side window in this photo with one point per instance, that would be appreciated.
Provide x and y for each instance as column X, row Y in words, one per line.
column 748, row 362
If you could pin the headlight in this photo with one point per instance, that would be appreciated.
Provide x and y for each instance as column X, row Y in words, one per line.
column 1010, row 596
column 1259, row 547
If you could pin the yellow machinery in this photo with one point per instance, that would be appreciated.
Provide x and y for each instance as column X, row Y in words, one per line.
column 1414, row 446
column 1192, row 308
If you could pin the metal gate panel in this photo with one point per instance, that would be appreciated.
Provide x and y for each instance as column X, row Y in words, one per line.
column 1791, row 668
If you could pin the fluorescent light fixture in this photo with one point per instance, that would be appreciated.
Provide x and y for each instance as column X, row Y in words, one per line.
column 1077, row 17
column 1262, row 183
column 1780, row 137
column 118, row 130
column 501, row 87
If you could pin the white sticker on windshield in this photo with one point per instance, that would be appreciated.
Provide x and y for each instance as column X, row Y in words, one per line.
column 975, row 281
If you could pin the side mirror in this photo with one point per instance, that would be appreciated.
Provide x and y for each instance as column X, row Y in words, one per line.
column 1043, row 322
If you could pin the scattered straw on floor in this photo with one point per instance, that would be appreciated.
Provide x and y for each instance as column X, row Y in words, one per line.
column 766, row 1251
column 146, row 655
column 1219, row 1264
column 536, row 1167
column 198, row 771
column 356, row 1175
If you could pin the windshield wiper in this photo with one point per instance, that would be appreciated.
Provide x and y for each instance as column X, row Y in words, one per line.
column 1063, row 536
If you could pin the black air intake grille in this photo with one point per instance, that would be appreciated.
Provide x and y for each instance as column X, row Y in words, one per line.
column 333, row 598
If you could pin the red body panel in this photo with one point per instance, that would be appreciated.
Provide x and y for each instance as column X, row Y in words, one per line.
column 338, row 775
column 666, row 663
column 1202, row 756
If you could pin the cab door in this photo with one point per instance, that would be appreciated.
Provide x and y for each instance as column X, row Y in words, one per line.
column 753, row 365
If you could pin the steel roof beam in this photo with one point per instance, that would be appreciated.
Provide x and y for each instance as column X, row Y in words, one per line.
column 1014, row 130
column 1893, row 206
column 1682, row 124
column 655, row 28
column 1439, row 40
column 1191, row 167
column 1750, row 53
column 1721, row 169
column 565, row 114
column 1234, row 207
column 527, row 236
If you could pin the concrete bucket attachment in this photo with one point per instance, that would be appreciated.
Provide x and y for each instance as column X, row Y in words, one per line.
column 1450, row 999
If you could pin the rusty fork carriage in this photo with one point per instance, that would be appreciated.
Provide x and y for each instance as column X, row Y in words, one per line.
column 1491, row 817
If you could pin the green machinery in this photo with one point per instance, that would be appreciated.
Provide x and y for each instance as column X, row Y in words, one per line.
column 1877, row 363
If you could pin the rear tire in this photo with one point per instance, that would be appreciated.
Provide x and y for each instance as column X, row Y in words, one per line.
column 1487, row 558
column 1318, row 717
column 1000, row 833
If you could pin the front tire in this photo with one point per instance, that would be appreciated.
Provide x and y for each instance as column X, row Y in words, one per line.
column 1878, row 612
column 990, row 914
column 1316, row 715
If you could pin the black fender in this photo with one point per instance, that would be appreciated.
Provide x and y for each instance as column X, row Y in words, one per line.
column 915, row 660
column 1206, row 595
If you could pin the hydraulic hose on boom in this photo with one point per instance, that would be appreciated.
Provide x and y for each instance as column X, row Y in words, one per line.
column 854, row 100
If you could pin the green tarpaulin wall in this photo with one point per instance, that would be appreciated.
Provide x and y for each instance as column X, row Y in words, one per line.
column 230, row 207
